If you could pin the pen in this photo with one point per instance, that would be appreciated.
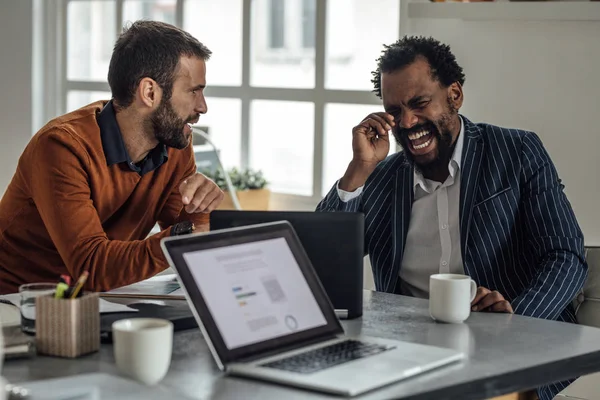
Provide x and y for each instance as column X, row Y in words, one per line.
column 80, row 283
column 61, row 287
column 65, row 279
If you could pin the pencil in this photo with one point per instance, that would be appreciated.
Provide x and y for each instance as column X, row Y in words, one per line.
column 80, row 282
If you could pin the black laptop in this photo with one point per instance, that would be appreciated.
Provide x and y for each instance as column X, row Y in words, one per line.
column 334, row 242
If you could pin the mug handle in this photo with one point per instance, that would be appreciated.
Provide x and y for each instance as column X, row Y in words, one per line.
column 473, row 290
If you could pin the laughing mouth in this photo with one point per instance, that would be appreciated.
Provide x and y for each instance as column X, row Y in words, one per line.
column 420, row 139
column 190, row 123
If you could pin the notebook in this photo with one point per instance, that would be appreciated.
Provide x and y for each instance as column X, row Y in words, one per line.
column 161, row 287
column 16, row 343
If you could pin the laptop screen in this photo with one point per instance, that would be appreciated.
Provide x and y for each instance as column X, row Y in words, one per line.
column 256, row 291
column 253, row 289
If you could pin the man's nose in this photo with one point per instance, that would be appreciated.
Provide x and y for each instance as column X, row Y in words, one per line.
column 408, row 120
column 201, row 106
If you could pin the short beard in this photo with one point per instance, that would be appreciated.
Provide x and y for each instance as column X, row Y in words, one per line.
column 168, row 126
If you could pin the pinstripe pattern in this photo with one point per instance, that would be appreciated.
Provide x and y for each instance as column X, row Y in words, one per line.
column 518, row 231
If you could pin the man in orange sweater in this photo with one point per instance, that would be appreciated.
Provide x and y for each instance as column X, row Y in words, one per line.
column 91, row 184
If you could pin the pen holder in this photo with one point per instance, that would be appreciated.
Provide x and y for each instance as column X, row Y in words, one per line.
column 67, row 327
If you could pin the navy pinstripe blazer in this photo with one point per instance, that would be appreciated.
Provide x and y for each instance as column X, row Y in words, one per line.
column 518, row 233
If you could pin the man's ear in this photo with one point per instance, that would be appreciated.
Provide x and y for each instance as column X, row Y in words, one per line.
column 149, row 92
column 455, row 94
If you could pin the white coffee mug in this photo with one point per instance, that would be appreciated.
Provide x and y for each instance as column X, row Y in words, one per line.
column 450, row 297
column 143, row 348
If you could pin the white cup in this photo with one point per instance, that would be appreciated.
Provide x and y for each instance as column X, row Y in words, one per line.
column 143, row 347
column 450, row 297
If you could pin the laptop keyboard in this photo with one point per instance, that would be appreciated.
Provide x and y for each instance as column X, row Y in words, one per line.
column 327, row 357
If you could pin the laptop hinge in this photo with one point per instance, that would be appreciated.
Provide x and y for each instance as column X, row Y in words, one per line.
column 279, row 350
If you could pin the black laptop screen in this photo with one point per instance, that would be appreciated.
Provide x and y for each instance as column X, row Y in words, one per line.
column 334, row 243
column 253, row 288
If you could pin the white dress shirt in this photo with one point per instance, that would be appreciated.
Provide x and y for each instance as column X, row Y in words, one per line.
column 433, row 239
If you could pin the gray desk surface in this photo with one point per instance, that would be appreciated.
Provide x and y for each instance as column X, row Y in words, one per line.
column 507, row 353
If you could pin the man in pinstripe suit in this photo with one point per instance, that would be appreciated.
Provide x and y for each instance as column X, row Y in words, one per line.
column 461, row 198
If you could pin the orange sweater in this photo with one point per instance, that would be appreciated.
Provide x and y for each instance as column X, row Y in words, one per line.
column 66, row 211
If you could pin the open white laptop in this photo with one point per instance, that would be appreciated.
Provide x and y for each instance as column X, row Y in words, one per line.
column 265, row 315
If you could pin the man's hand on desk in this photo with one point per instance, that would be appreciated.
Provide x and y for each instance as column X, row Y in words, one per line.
column 200, row 194
column 486, row 300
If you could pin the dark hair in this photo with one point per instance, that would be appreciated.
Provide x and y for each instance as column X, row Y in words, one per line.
column 405, row 51
column 149, row 49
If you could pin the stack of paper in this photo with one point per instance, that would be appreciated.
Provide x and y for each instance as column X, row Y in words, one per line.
column 16, row 343
column 157, row 287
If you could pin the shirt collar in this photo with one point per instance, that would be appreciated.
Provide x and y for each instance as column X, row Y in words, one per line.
column 114, row 147
column 453, row 165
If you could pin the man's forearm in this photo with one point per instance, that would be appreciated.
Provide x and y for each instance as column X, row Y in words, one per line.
column 356, row 175
column 552, row 229
column 562, row 276
column 113, row 264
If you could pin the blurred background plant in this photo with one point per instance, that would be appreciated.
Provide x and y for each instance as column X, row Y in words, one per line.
column 242, row 179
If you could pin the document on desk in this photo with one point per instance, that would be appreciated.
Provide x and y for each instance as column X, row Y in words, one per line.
column 110, row 307
column 17, row 344
column 163, row 287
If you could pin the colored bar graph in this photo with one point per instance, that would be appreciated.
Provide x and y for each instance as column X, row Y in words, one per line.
column 244, row 295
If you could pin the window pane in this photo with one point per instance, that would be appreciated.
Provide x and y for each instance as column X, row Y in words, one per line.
column 91, row 34
column 223, row 121
column 276, row 19
column 352, row 47
column 309, row 16
column 218, row 24
column 281, row 144
column 337, row 151
column 282, row 48
column 77, row 99
column 157, row 10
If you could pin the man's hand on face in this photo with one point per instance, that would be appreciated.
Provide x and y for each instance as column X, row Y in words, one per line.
column 486, row 300
column 370, row 138
column 370, row 145
column 200, row 194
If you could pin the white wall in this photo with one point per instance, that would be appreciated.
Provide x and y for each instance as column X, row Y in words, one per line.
column 542, row 76
column 16, row 43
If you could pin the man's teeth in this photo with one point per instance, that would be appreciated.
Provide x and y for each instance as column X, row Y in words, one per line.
column 422, row 146
column 417, row 135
